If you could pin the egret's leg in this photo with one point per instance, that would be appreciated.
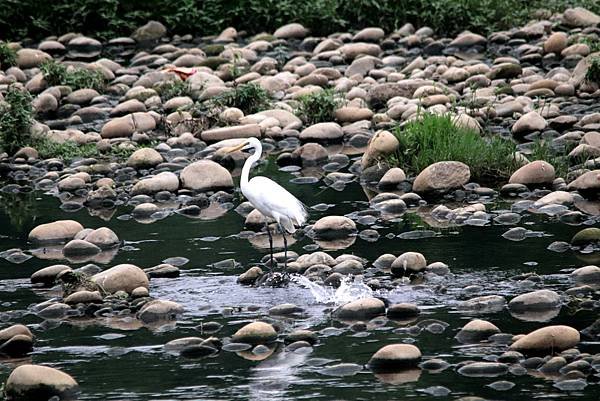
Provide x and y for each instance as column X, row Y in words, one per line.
column 284, row 251
column 270, row 245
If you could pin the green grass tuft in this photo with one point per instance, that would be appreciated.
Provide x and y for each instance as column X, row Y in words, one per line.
column 250, row 98
column 434, row 138
column 593, row 72
column 318, row 107
column 170, row 89
column 77, row 78
column 8, row 56
column 16, row 116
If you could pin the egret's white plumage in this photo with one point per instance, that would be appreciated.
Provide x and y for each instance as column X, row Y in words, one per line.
column 268, row 197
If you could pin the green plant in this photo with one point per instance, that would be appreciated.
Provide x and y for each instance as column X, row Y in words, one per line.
column 317, row 107
column 77, row 78
column 593, row 72
column 592, row 41
column 250, row 98
column 170, row 89
column 8, row 56
column 433, row 138
column 15, row 119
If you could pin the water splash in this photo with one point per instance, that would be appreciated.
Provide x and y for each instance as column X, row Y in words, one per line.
column 350, row 289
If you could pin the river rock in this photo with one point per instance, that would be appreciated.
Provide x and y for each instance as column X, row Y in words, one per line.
column 402, row 311
column 159, row 310
column 408, row 263
column 586, row 275
column 395, row 357
column 231, row 132
column 535, row 301
column 537, row 172
column 322, row 132
column 124, row 127
column 442, row 176
column 17, row 346
column 476, row 330
column 124, row 277
column 255, row 333
column 311, row 154
column 79, row 247
column 31, row 58
column 103, row 238
column 250, row 276
column 580, row 17
column 83, row 297
column 392, row 178
column 206, row 175
column 483, row 369
column 150, row 32
column 144, row 158
column 36, row 382
column 547, row 339
column 361, row 309
column 291, row 31
column 163, row 270
column 381, row 144
column 47, row 275
column 529, row 122
column 588, row 184
column 165, row 181
column 333, row 227
column 56, row 232
column 556, row 42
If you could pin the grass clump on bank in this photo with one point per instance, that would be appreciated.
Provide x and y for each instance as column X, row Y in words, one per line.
column 593, row 72
column 434, row 138
column 8, row 56
column 170, row 89
column 16, row 116
column 317, row 107
column 250, row 98
column 77, row 78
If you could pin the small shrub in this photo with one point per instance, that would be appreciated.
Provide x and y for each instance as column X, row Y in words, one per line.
column 317, row 107
column 434, row 138
column 8, row 57
column 67, row 150
column 170, row 89
column 250, row 98
column 76, row 78
column 15, row 120
column 593, row 72
column 592, row 42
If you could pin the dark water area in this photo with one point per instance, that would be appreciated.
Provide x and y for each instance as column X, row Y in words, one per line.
column 119, row 359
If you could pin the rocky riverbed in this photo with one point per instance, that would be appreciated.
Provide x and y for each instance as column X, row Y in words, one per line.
column 131, row 272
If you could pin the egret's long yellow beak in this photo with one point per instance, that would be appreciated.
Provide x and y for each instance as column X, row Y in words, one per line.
column 236, row 148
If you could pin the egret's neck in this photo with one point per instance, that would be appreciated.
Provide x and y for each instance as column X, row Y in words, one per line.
column 248, row 165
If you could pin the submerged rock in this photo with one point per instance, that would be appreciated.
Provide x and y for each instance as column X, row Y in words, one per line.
column 476, row 330
column 365, row 308
column 36, row 382
column 124, row 277
column 159, row 310
column 255, row 333
column 395, row 357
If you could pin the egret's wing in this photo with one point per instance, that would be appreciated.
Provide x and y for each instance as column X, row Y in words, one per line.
column 266, row 195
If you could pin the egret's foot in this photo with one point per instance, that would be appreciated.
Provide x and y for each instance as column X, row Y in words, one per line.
column 273, row 279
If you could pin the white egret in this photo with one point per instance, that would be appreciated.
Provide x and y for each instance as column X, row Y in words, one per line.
column 270, row 198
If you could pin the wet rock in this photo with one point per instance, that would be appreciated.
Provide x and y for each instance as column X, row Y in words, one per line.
column 103, row 237
column 285, row 310
column 206, row 175
column 333, row 227
column 537, row 172
column 56, row 232
column 442, row 176
column 588, row 184
column 164, row 270
column 140, row 292
column 250, row 276
column 144, row 158
column 535, row 301
column 302, row 335
column 485, row 304
column 365, row 308
column 36, row 382
column 529, row 122
column 322, row 132
column 234, row 131
column 408, row 263
column 124, row 277
column 17, row 346
column 144, row 210
column 78, row 247
column 392, row 178
column 159, row 310
column 83, row 297
column 586, row 275
column 180, row 343
column 47, row 275
column 310, row 154
column 547, row 339
column 402, row 311
column 255, row 333
column 476, row 330
column 483, row 369
column 165, row 181
column 395, row 357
